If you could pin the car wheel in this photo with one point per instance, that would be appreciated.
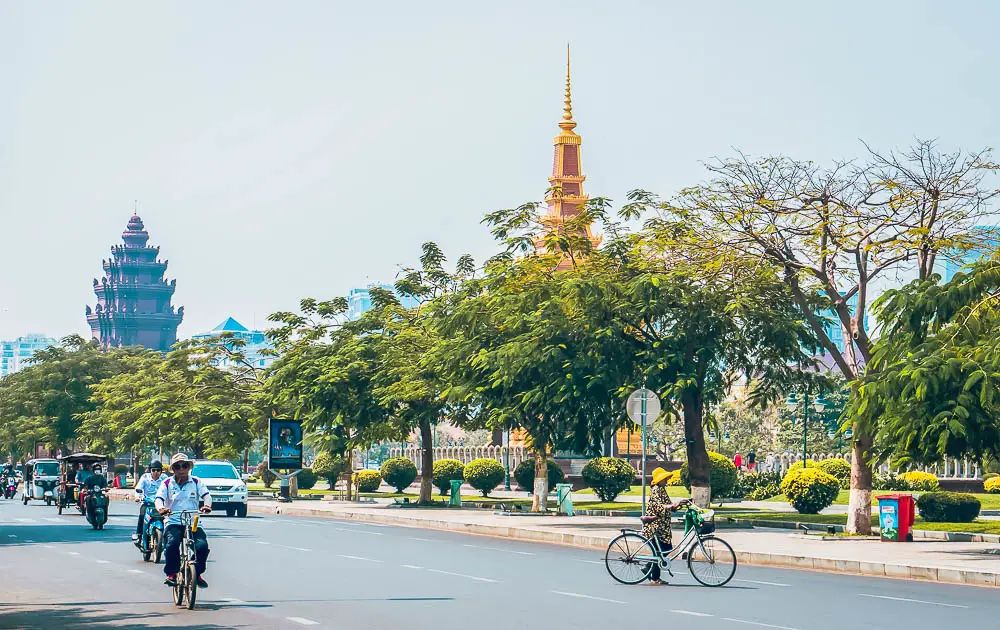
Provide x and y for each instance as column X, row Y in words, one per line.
column 241, row 510
column 230, row 511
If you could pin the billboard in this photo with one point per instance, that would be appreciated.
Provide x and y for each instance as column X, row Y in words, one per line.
column 284, row 444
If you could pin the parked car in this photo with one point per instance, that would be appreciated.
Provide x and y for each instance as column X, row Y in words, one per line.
column 229, row 492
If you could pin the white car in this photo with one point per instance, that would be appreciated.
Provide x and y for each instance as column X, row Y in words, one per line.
column 229, row 492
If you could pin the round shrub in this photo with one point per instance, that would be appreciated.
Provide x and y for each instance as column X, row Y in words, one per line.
column 398, row 472
column 748, row 482
column 675, row 478
column 329, row 467
column 990, row 476
column 266, row 475
column 920, row 481
column 484, row 474
column 369, row 480
column 809, row 490
column 445, row 470
column 723, row 479
column 948, row 507
column 525, row 475
column 889, row 481
column 839, row 468
column 608, row 476
column 992, row 485
column 306, row 479
column 764, row 492
column 797, row 465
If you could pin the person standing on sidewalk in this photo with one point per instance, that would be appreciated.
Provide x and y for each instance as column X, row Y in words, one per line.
column 656, row 520
column 738, row 461
column 769, row 462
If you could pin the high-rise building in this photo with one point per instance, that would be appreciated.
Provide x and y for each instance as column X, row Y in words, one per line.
column 566, row 199
column 14, row 354
column 255, row 342
column 133, row 298
column 360, row 300
column 948, row 266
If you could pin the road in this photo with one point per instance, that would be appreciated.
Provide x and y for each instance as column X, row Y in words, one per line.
column 291, row 572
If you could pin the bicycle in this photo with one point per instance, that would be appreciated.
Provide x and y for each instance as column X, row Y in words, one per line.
column 711, row 560
column 186, row 587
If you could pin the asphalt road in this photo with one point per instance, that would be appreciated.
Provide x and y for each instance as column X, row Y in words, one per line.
column 291, row 572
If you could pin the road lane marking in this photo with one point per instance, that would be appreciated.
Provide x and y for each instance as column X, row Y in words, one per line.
column 523, row 553
column 420, row 539
column 263, row 542
column 73, row 553
column 463, row 575
column 758, row 623
column 136, row 571
column 299, row 548
column 103, row 562
column 915, row 601
column 357, row 531
column 233, row 600
column 762, row 582
column 691, row 612
column 411, row 566
column 28, row 541
column 54, row 520
column 25, row 520
column 11, row 535
column 303, row 621
column 582, row 596
column 358, row 558
column 589, row 561
column 47, row 547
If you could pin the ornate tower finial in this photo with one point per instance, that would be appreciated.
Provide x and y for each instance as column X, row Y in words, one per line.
column 568, row 123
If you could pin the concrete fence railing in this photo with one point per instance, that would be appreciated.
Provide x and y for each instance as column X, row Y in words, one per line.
column 465, row 454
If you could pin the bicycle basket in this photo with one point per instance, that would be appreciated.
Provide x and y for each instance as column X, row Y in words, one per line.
column 706, row 522
column 706, row 528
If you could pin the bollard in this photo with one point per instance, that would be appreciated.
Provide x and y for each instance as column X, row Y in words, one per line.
column 455, row 500
column 564, row 492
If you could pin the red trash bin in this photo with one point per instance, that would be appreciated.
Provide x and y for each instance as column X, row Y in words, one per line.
column 896, row 514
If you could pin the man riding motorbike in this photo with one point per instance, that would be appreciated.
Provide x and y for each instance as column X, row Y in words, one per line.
column 182, row 492
column 94, row 479
column 145, row 493
column 8, row 478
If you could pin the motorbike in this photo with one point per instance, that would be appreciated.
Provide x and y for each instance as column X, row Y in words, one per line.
column 9, row 487
column 96, row 501
column 151, row 543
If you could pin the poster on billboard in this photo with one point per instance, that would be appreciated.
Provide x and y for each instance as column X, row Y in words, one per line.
column 284, row 444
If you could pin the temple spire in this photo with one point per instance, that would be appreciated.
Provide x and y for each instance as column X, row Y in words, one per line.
column 568, row 122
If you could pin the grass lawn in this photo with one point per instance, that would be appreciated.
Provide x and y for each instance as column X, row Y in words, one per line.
column 989, row 501
column 679, row 492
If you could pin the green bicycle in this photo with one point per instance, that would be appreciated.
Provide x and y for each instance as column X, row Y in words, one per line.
column 711, row 560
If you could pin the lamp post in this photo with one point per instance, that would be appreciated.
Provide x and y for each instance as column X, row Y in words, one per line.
column 506, row 463
column 792, row 404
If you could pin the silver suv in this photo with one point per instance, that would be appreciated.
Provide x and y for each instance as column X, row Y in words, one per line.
column 224, row 482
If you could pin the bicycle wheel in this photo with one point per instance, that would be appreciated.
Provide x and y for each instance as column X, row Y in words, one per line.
column 630, row 558
column 179, row 587
column 712, row 561
column 192, row 584
column 157, row 544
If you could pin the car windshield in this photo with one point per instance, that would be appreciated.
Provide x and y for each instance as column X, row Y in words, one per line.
column 50, row 469
column 215, row 471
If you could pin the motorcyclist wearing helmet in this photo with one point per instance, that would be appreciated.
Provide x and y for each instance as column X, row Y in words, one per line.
column 145, row 494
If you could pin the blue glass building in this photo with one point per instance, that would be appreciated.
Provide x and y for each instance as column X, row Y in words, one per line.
column 15, row 354
column 255, row 341
column 360, row 300
column 948, row 267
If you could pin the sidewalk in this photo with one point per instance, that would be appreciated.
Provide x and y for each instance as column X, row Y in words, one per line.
column 954, row 562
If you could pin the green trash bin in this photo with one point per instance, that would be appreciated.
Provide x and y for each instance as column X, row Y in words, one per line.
column 564, row 492
column 455, row 500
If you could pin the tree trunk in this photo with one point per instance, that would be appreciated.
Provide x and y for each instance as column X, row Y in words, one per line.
column 426, row 462
column 541, row 489
column 699, row 466
column 859, row 509
column 349, row 473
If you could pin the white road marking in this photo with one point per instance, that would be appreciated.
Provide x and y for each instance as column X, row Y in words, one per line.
column 11, row 535
column 358, row 558
column 73, row 553
column 523, row 553
column 25, row 520
column 411, row 566
column 299, row 549
column 54, row 520
column 691, row 612
column 29, row 541
column 263, row 542
column 233, row 600
column 762, row 582
column 47, row 547
column 135, row 571
column 582, row 596
column 757, row 623
column 915, row 601
column 420, row 539
column 589, row 561
column 103, row 562
column 357, row 531
column 463, row 575
column 303, row 621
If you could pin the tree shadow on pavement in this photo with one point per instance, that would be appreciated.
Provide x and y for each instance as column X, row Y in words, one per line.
column 39, row 533
column 96, row 617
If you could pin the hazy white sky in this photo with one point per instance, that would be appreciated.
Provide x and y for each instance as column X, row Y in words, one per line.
column 283, row 150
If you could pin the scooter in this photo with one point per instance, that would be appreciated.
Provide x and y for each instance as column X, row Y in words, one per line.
column 151, row 543
column 9, row 487
column 97, row 507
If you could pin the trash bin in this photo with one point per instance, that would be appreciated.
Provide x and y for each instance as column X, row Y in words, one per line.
column 455, row 500
column 564, row 492
column 895, row 517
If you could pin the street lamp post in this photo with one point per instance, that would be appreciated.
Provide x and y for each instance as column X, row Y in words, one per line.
column 792, row 404
column 506, row 463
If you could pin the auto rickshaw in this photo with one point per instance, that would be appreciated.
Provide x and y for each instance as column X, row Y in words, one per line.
column 69, row 489
column 41, row 478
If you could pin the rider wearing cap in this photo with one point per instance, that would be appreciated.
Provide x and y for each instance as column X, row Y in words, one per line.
column 182, row 492
column 145, row 493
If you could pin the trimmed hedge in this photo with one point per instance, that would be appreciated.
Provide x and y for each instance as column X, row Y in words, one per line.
column 484, row 474
column 839, row 468
column 948, row 507
column 306, row 479
column 368, row 480
column 445, row 470
column 723, row 477
column 809, row 490
column 608, row 476
column 992, row 485
column 920, row 481
column 751, row 483
column 398, row 472
column 525, row 475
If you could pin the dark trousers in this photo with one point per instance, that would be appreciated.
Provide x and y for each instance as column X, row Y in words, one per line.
column 654, row 572
column 142, row 517
column 172, row 536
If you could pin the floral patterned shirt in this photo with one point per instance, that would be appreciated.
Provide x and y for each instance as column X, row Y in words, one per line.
column 658, row 506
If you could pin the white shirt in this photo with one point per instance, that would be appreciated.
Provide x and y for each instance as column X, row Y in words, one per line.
column 179, row 498
column 146, row 487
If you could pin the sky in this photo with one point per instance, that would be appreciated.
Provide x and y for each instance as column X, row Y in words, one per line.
column 287, row 150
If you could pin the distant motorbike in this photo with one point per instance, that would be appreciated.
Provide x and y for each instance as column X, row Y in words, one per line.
column 96, row 502
column 151, row 543
column 9, row 487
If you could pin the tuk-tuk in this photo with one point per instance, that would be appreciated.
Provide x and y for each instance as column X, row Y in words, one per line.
column 41, row 478
column 69, row 465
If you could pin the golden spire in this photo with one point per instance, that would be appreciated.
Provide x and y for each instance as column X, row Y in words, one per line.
column 567, row 122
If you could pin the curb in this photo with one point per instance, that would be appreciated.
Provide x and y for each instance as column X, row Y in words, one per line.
column 918, row 534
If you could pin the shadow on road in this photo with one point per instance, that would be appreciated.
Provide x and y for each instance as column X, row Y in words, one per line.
column 95, row 616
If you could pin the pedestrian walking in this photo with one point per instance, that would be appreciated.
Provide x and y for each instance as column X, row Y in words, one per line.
column 769, row 462
column 751, row 460
column 738, row 461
